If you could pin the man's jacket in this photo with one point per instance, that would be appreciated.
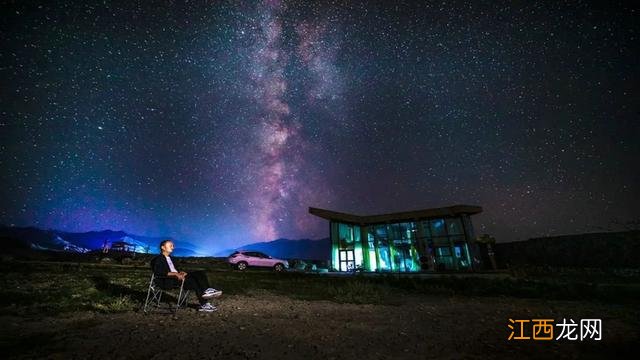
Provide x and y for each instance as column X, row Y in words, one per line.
column 160, row 269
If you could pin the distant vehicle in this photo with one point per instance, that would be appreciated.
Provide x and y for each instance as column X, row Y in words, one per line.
column 242, row 259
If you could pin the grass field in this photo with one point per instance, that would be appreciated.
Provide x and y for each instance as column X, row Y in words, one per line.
column 59, row 309
column 32, row 287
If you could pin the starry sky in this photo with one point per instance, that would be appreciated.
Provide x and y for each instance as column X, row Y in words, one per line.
column 221, row 122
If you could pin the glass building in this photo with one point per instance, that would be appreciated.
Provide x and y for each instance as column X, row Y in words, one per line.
column 423, row 240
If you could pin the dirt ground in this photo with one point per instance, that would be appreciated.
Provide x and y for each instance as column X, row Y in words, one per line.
column 266, row 326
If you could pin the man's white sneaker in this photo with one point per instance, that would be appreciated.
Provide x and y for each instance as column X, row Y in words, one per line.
column 207, row 308
column 211, row 293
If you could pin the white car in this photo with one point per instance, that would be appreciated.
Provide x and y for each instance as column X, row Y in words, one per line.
column 242, row 259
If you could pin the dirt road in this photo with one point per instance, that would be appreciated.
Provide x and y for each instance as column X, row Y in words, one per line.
column 265, row 326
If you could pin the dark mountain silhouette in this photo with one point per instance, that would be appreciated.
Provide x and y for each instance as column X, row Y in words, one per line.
column 289, row 249
column 40, row 239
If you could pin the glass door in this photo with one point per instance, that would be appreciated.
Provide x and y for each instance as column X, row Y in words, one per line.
column 347, row 260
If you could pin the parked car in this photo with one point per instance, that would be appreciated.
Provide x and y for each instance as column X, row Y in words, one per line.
column 242, row 259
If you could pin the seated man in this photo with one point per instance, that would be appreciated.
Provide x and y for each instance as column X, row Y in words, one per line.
column 163, row 267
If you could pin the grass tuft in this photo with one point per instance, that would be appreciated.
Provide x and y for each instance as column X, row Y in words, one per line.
column 115, row 304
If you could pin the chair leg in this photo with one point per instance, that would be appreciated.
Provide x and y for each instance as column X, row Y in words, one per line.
column 182, row 301
column 153, row 299
column 179, row 297
column 146, row 302
column 154, row 296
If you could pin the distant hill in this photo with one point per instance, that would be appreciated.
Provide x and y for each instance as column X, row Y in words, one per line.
column 39, row 239
column 606, row 250
column 289, row 249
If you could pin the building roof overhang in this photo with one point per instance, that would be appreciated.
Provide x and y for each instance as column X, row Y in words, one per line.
column 454, row 210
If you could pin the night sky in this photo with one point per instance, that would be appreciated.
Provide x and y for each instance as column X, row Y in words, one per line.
column 220, row 123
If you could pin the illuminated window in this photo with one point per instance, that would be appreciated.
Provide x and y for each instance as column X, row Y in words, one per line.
column 461, row 252
column 384, row 255
column 437, row 228
column 345, row 235
column 348, row 254
column 454, row 226
column 426, row 229
column 444, row 258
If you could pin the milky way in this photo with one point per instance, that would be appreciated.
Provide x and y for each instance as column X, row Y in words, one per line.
column 220, row 123
column 279, row 189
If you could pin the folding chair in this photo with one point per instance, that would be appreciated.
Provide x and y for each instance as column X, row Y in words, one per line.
column 155, row 291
